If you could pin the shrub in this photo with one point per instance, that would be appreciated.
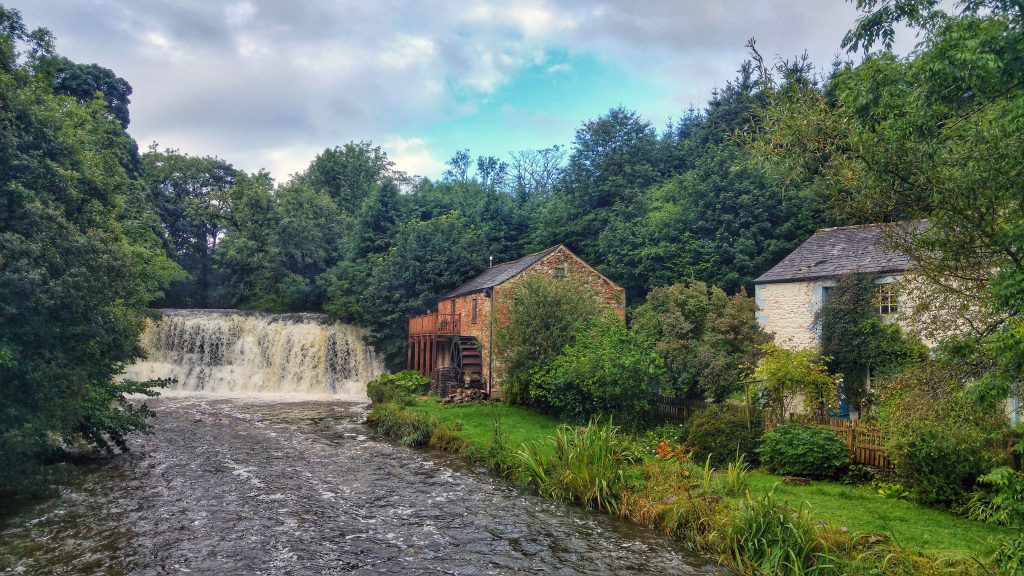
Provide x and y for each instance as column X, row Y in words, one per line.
column 587, row 466
column 609, row 370
column 784, row 374
column 938, row 464
column 938, row 437
column 1003, row 501
column 398, row 388
column 721, row 434
column 706, row 338
column 415, row 430
column 1009, row 556
column 792, row 449
column 544, row 315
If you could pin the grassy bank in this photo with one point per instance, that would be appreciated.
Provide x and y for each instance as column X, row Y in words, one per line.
column 846, row 529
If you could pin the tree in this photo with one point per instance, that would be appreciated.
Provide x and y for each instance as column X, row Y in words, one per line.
column 707, row 340
column 83, row 81
column 349, row 173
column 783, row 375
column 186, row 191
column 534, row 173
column 79, row 261
column 614, row 157
column 426, row 259
column 458, row 167
column 540, row 316
column 608, row 370
column 370, row 235
column 279, row 242
column 493, row 173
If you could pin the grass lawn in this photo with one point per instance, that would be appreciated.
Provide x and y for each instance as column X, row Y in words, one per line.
column 520, row 424
column 859, row 509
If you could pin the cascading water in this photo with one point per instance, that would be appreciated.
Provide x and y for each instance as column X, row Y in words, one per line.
column 230, row 351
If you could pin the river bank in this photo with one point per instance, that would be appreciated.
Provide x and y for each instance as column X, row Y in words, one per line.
column 850, row 529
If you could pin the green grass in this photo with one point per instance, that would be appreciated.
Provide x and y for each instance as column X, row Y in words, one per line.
column 861, row 510
column 858, row 509
column 519, row 424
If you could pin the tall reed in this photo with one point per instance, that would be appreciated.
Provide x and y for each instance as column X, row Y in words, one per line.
column 586, row 466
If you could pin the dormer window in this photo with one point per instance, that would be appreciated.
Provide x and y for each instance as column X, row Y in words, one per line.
column 888, row 299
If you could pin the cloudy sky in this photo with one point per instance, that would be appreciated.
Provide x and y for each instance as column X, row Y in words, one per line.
column 269, row 83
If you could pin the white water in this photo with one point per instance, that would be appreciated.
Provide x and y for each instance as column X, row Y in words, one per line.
column 233, row 352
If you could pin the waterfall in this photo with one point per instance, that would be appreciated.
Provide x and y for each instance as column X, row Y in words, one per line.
column 230, row 351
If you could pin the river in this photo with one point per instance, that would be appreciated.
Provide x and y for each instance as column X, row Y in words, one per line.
column 286, row 485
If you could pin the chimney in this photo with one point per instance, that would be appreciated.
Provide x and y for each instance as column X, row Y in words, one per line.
column 490, row 261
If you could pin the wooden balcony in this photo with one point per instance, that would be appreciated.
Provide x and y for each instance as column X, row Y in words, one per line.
column 434, row 324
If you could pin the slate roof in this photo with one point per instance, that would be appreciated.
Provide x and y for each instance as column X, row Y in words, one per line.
column 499, row 273
column 833, row 252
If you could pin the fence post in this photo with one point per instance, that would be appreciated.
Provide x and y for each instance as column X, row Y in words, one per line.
column 851, row 441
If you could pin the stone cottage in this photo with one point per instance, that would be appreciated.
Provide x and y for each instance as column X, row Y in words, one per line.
column 458, row 334
column 790, row 294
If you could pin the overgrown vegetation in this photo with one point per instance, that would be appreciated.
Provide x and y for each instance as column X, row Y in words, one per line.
column 858, row 342
column 80, row 257
column 721, row 434
column 706, row 338
column 783, row 376
column 609, row 370
column 940, row 439
column 542, row 316
column 398, row 388
column 748, row 520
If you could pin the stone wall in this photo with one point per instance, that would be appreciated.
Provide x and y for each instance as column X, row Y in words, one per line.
column 787, row 310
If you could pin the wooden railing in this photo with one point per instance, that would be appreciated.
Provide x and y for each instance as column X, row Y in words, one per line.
column 435, row 324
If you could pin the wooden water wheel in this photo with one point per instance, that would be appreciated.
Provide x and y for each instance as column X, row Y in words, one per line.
column 467, row 358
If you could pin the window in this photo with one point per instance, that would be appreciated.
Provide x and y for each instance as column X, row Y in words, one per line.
column 888, row 299
column 825, row 290
column 474, row 310
column 559, row 271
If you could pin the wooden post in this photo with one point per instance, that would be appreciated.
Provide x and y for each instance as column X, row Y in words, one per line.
column 408, row 353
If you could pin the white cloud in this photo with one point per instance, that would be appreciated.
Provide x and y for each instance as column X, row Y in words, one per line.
column 412, row 155
column 239, row 13
column 267, row 83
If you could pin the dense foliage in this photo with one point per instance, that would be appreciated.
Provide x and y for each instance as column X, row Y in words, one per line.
column 858, row 342
column 807, row 451
column 723, row 434
column 939, row 437
column 608, row 370
column 541, row 316
column 398, row 388
column 935, row 136
column 707, row 339
column 1000, row 499
column 80, row 258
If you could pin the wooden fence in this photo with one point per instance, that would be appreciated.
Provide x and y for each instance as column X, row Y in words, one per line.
column 864, row 441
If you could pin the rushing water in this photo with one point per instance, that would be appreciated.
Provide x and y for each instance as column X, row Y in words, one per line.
column 241, row 352
column 282, row 486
